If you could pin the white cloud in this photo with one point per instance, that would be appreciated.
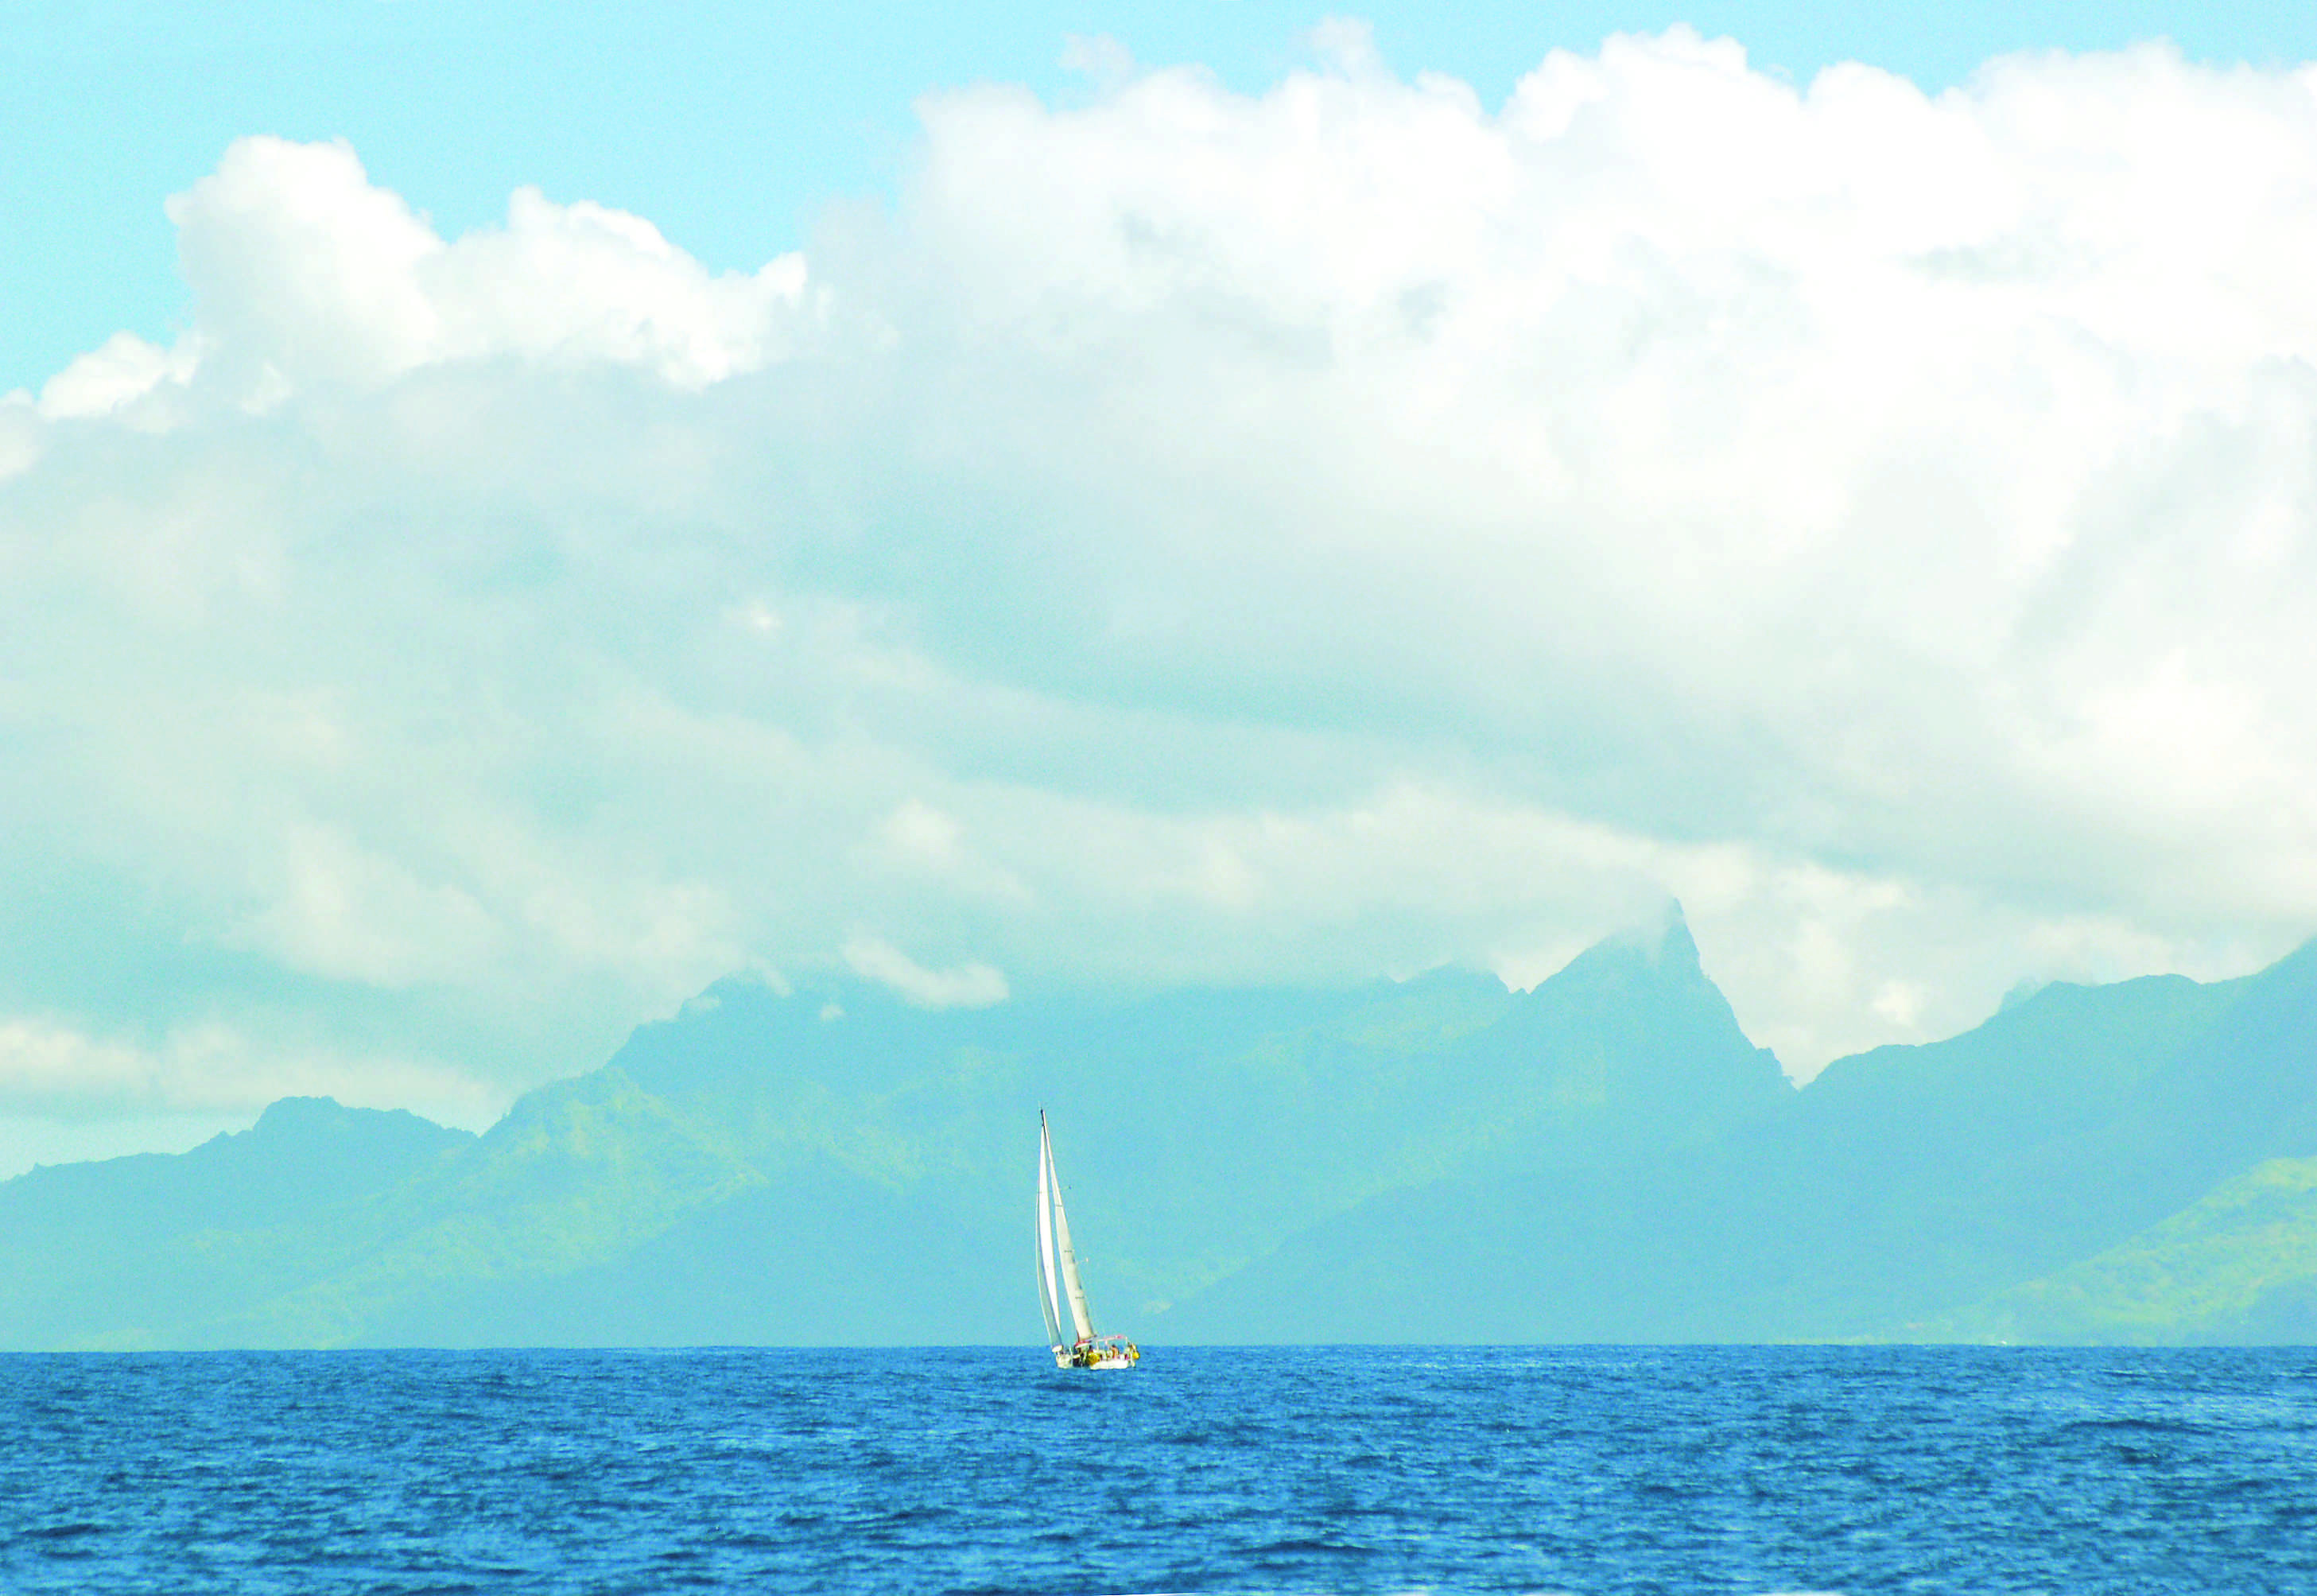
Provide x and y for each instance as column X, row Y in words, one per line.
column 923, row 834
column 1199, row 536
column 305, row 273
column 968, row 986
column 65, row 1072
column 351, row 916
column 19, row 434
column 124, row 369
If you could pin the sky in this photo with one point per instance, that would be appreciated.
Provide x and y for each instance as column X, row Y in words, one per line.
column 509, row 514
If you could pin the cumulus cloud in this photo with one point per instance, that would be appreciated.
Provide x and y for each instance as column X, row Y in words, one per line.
column 304, row 273
column 125, row 369
column 1198, row 535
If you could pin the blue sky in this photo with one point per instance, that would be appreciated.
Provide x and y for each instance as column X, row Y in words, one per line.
column 732, row 125
column 508, row 515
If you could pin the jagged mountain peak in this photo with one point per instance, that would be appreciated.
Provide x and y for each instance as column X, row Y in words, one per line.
column 1635, row 1028
column 1661, row 953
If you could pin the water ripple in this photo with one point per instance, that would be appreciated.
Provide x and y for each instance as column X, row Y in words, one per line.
column 1732, row 1471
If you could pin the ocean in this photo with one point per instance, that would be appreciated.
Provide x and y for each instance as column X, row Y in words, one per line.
column 1327, row 1469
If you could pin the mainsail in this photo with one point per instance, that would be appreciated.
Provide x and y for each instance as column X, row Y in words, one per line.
column 1081, row 1316
column 1054, row 1234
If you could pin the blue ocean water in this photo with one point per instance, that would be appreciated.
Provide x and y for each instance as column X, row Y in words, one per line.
column 1675, row 1469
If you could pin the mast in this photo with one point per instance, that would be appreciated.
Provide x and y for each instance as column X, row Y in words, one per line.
column 1081, row 1316
column 1049, row 1303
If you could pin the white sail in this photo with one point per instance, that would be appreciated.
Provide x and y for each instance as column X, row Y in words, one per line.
column 1049, row 1300
column 1081, row 1316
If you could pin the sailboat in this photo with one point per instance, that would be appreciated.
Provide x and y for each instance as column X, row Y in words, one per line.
column 1082, row 1349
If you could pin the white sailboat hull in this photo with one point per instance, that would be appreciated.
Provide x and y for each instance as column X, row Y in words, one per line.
column 1062, row 1359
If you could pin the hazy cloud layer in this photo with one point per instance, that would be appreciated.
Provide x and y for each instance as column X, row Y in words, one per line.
column 1195, row 536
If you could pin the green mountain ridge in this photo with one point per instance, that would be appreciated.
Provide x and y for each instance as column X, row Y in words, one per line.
column 383, row 1220
column 1605, row 1156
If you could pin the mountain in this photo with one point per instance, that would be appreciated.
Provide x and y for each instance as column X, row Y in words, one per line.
column 113, row 1250
column 826, row 1164
column 1277, row 1104
column 1605, row 1156
column 1220, row 1125
column 1611, row 1088
column 1914, row 1178
column 1901, row 1184
column 325, row 1225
